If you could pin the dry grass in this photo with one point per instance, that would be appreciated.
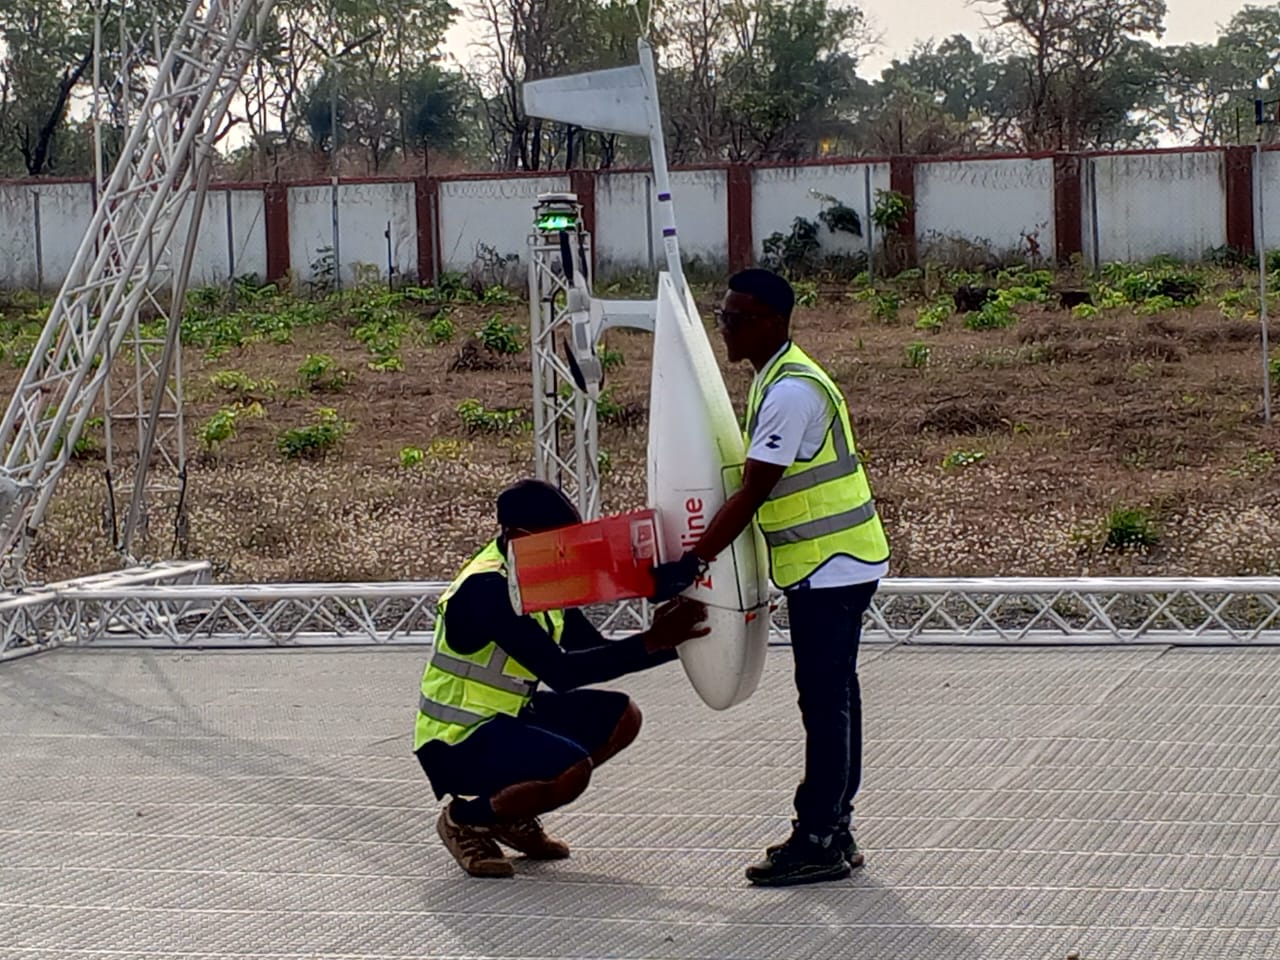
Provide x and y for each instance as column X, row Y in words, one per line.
column 1073, row 418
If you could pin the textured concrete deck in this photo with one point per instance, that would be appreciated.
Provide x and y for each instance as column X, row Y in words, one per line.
column 1124, row 803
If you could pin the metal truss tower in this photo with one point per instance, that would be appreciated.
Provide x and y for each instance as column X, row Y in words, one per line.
column 125, row 290
column 565, row 425
column 563, row 311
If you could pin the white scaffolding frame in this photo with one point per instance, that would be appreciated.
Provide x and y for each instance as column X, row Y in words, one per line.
column 175, row 605
column 112, row 285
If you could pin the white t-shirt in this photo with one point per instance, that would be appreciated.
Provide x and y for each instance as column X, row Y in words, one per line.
column 792, row 424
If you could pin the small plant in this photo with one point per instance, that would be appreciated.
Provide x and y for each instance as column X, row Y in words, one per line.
column 1130, row 528
column 411, row 456
column 884, row 303
column 320, row 373
column 315, row 440
column 497, row 296
column 1154, row 305
column 440, row 328
column 1023, row 294
column 1084, row 311
column 241, row 386
column 86, row 444
column 792, row 253
column 962, row 458
column 994, row 315
column 500, row 337
column 917, row 354
column 609, row 359
column 477, row 419
column 604, row 462
column 932, row 317
column 446, row 448
column 1253, row 463
column 891, row 210
column 1160, row 278
column 806, row 293
column 221, row 427
column 1108, row 298
column 838, row 217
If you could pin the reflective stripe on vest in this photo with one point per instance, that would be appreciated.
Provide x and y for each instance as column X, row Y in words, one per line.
column 813, row 529
column 845, row 462
column 491, row 673
column 447, row 714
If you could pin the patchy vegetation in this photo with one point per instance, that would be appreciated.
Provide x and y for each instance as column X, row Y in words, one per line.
column 1014, row 421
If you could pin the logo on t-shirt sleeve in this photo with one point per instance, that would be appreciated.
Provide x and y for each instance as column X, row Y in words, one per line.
column 773, row 442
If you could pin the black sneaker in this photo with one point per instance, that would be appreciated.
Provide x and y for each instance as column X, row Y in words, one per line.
column 800, row 860
column 843, row 840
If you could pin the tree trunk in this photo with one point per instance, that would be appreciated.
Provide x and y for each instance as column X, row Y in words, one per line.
column 37, row 159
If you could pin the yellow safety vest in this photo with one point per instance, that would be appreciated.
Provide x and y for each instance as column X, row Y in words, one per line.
column 821, row 507
column 460, row 691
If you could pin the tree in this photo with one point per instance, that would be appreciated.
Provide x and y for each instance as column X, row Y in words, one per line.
column 903, row 119
column 1080, row 66
column 1209, row 88
column 48, row 49
column 945, row 97
column 371, row 52
column 792, row 72
column 531, row 39
column 433, row 102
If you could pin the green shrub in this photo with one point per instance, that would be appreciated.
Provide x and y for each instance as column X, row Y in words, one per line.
column 994, row 315
column 440, row 328
column 806, row 293
column 315, row 440
column 500, row 337
column 917, row 354
column 320, row 373
column 1129, row 528
column 935, row 315
column 477, row 419
column 221, row 427
column 962, row 458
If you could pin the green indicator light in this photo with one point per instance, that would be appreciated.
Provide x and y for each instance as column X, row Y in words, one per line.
column 557, row 221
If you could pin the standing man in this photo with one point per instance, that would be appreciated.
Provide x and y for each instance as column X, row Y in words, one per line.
column 507, row 752
column 827, row 551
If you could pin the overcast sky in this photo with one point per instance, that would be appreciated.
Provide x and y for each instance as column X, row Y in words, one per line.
column 901, row 23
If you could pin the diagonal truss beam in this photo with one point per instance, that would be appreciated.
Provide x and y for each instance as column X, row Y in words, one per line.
column 112, row 277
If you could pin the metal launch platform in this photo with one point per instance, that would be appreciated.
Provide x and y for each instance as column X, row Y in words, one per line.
column 1118, row 801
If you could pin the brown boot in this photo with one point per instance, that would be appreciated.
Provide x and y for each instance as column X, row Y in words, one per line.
column 529, row 838
column 473, row 847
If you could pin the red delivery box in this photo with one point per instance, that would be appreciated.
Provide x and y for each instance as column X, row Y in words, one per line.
column 599, row 561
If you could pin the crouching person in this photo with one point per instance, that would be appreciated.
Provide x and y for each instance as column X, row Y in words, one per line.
column 506, row 751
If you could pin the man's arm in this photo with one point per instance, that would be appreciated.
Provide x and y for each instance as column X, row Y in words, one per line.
column 758, row 479
column 481, row 612
column 775, row 443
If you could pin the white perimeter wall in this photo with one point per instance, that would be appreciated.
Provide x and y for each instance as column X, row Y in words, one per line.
column 629, row 233
column 991, row 203
column 1155, row 203
column 65, row 212
column 780, row 194
column 495, row 212
column 1151, row 204
column 366, row 212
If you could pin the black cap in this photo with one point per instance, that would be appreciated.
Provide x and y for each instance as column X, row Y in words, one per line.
column 535, row 505
column 769, row 288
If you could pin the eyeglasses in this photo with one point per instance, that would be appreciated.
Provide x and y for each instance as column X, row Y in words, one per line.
column 732, row 318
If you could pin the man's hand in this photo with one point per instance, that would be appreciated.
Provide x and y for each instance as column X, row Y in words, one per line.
column 676, row 576
column 675, row 623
